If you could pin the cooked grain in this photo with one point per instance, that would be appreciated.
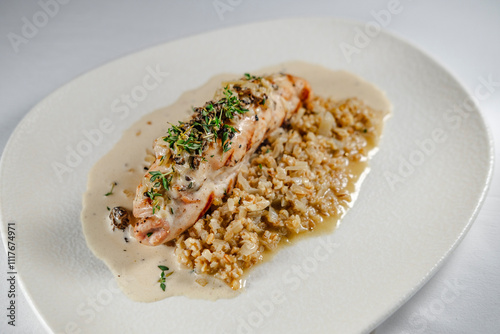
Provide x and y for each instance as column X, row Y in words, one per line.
column 300, row 175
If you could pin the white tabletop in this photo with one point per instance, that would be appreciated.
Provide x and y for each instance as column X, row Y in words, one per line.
column 76, row 36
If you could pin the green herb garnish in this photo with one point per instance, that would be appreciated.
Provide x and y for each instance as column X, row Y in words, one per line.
column 209, row 125
column 111, row 191
column 163, row 276
column 248, row 76
column 151, row 193
column 162, row 179
column 226, row 144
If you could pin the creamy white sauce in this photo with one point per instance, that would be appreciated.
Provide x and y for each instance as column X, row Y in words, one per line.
column 135, row 266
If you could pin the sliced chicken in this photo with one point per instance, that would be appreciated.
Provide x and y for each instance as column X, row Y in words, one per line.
column 198, row 160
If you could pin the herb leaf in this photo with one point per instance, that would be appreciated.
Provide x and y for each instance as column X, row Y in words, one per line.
column 111, row 191
column 160, row 179
column 163, row 276
column 164, row 178
column 248, row 76
column 210, row 124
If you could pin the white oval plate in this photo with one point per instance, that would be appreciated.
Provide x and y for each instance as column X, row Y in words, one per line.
column 426, row 185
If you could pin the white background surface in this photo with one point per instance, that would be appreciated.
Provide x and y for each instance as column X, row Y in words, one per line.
column 461, row 35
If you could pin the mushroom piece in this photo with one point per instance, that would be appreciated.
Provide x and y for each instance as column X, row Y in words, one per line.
column 119, row 217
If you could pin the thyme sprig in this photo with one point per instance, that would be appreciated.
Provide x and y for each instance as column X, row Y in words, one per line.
column 181, row 138
column 208, row 125
column 112, row 188
column 211, row 123
column 161, row 180
column 152, row 194
column 248, row 76
column 163, row 276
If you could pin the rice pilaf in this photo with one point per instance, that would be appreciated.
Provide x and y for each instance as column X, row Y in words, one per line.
column 303, row 173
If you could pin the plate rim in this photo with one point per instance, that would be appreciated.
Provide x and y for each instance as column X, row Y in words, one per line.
column 317, row 19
